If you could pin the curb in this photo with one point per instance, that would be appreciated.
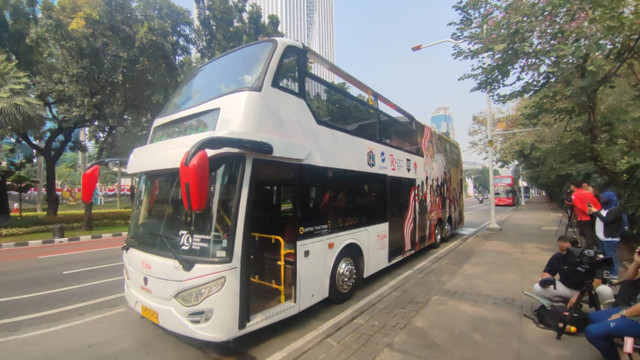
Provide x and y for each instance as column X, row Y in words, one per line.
column 60, row 240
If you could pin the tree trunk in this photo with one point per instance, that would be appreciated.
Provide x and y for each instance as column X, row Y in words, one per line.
column 40, row 182
column 20, row 201
column 53, row 199
column 595, row 132
column 87, row 224
column 119, row 185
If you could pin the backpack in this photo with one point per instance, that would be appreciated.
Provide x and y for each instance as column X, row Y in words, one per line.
column 555, row 316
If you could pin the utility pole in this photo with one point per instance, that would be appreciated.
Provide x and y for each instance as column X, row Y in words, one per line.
column 492, row 205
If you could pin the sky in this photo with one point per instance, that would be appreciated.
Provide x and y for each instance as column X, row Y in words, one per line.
column 373, row 40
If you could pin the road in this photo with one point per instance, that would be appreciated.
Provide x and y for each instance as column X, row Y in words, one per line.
column 65, row 301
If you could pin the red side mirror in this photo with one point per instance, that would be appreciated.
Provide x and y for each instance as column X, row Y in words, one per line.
column 89, row 182
column 194, row 180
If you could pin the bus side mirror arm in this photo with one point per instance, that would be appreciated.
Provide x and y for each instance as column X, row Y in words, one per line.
column 194, row 167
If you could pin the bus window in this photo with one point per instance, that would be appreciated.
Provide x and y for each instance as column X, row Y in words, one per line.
column 332, row 105
column 287, row 76
column 241, row 69
column 334, row 200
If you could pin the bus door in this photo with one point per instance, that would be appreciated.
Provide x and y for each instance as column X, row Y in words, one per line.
column 272, row 232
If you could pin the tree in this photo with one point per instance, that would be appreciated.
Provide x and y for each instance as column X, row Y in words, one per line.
column 19, row 110
column 21, row 184
column 480, row 178
column 225, row 24
column 99, row 63
column 564, row 52
column 574, row 68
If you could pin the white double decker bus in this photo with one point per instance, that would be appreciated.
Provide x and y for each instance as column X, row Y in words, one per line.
column 272, row 180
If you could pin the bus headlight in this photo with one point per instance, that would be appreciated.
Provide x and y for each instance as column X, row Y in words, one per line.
column 196, row 295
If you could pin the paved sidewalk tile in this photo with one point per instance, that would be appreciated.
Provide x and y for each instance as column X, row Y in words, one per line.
column 469, row 305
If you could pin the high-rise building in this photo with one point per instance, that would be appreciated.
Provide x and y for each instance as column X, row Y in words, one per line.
column 442, row 121
column 307, row 21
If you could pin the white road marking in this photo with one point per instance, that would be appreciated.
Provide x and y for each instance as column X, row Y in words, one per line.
column 16, row 337
column 70, row 307
column 61, row 289
column 91, row 268
column 78, row 252
column 466, row 231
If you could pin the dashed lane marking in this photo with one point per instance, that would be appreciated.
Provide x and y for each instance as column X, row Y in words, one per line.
column 54, row 311
column 61, row 289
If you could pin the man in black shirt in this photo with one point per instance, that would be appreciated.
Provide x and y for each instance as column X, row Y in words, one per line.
column 572, row 277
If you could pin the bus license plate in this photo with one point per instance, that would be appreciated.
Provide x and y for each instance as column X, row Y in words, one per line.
column 150, row 314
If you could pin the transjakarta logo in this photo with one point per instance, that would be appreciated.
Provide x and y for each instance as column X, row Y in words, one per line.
column 393, row 162
column 185, row 240
column 383, row 160
column 371, row 159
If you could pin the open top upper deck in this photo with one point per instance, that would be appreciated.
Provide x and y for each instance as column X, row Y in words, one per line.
column 284, row 94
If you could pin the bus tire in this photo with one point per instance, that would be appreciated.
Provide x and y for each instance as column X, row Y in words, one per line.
column 438, row 236
column 345, row 276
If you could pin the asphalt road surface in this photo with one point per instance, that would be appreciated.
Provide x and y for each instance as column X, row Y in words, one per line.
column 64, row 301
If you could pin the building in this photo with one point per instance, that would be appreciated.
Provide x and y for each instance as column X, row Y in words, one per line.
column 307, row 21
column 442, row 121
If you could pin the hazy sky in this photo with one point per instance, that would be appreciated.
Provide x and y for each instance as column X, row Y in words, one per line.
column 373, row 40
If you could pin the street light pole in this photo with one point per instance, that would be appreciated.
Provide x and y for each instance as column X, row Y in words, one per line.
column 492, row 204
column 492, row 193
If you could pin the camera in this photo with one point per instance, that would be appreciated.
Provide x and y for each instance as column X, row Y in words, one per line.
column 593, row 262
column 568, row 196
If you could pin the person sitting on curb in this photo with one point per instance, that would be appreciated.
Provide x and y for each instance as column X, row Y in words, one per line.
column 572, row 277
column 616, row 322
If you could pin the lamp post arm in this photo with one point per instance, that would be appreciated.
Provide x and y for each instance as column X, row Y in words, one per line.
column 420, row 47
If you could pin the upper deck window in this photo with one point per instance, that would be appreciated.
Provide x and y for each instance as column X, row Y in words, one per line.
column 287, row 76
column 242, row 69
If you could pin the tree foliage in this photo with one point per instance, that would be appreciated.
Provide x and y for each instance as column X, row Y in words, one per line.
column 573, row 68
column 480, row 178
column 19, row 109
column 225, row 24
column 104, row 64
column 109, row 65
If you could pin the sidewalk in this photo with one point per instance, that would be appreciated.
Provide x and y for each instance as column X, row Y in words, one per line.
column 468, row 305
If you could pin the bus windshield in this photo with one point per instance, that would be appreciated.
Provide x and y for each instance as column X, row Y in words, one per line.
column 242, row 69
column 160, row 223
column 504, row 191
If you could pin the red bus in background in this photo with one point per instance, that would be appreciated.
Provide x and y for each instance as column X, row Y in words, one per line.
column 505, row 190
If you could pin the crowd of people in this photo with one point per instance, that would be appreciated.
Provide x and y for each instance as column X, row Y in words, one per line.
column 600, row 223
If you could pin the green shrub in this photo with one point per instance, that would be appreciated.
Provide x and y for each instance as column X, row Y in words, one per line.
column 67, row 218
column 69, row 226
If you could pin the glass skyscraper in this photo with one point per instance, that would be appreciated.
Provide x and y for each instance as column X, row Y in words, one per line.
column 442, row 121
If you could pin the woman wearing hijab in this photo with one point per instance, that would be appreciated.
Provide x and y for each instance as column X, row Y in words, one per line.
column 609, row 226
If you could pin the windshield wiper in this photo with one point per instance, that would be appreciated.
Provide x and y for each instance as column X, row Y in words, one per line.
column 129, row 244
column 186, row 265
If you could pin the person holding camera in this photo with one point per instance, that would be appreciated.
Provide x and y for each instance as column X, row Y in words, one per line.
column 573, row 275
column 608, row 228
column 619, row 321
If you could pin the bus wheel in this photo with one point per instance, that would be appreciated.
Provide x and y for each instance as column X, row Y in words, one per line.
column 437, row 238
column 345, row 276
column 448, row 230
